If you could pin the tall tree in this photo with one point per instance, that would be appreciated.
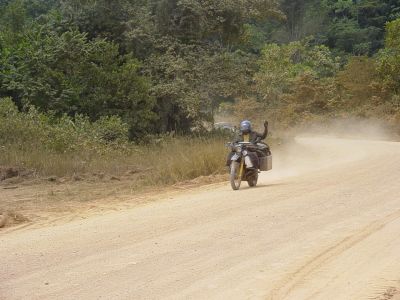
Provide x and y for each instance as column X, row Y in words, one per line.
column 389, row 58
column 68, row 73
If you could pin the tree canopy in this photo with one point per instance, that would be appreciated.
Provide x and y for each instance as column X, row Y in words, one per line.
column 167, row 65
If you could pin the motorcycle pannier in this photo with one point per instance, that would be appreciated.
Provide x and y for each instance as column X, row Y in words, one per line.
column 266, row 163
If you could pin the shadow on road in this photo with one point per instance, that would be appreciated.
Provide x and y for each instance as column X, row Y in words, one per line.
column 263, row 186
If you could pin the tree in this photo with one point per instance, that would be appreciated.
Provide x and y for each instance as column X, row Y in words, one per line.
column 98, row 18
column 389, row 58
column 358, row 79
column 189, row 51
column 218, row 20
column 280, row 65
column 191, row 81
column 67, row 73
column 357, row 27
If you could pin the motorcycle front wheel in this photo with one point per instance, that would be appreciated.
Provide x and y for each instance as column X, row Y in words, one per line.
column 235, row 179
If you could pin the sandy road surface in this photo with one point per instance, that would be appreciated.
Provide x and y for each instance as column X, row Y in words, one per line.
column 324, row 225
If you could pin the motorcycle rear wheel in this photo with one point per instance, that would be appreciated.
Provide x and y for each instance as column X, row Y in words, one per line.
column 234, row 176
column 253, row 180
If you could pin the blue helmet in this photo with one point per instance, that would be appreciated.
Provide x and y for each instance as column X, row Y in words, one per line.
column 245, row 126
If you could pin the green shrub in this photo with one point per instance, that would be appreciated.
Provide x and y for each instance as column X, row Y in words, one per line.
column 65, row 146
column 62, row 135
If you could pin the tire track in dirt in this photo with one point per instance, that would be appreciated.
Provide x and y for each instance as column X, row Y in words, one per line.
column 293, row 279
column 391, row 293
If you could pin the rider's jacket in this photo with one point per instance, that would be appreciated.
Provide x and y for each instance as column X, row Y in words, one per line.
column 252, row 136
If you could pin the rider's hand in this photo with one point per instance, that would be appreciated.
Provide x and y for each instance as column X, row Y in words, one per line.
column 265, row 124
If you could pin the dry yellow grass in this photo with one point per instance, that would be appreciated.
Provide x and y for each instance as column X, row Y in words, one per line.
column 170, row 161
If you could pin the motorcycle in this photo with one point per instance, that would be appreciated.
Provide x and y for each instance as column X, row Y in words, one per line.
column 241, row 167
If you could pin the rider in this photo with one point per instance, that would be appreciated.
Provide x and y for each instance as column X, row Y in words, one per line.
column 249, row 135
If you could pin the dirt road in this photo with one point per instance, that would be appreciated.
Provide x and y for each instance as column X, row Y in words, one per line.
column 325, row 224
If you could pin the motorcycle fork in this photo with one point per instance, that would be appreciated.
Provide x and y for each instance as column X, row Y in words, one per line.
column 241, row 169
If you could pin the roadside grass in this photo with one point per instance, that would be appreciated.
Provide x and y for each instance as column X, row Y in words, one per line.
column 167, row 162
column 185, row 158
column 49, row 145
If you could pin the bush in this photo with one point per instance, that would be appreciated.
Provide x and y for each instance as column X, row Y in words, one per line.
column 65, row 146
column 388, row 59
column 45, row 131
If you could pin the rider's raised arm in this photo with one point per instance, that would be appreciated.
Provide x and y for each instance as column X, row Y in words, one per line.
column 265, row 133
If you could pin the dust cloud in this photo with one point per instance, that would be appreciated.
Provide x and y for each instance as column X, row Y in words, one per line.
column 326, row 145
column 350, row 128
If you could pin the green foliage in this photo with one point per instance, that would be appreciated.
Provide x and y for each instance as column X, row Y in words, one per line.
column 13, row 16
column 68, row 74
column 210, row 19
column 393, row 35
column 304, row 18
column 167, row 65
column 358, row 26
column 280, row 65
column 37, row 130
column 389, row 58
column 345, row 26
column 191, row 81
column 76, row 57
column 66, row 147
column 358, row 79
column 189, row 51
column 99, row 19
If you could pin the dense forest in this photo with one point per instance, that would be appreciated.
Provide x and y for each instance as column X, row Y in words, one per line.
column 136, row 68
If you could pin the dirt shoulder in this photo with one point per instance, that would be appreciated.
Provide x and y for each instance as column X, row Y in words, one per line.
column 46, row 201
